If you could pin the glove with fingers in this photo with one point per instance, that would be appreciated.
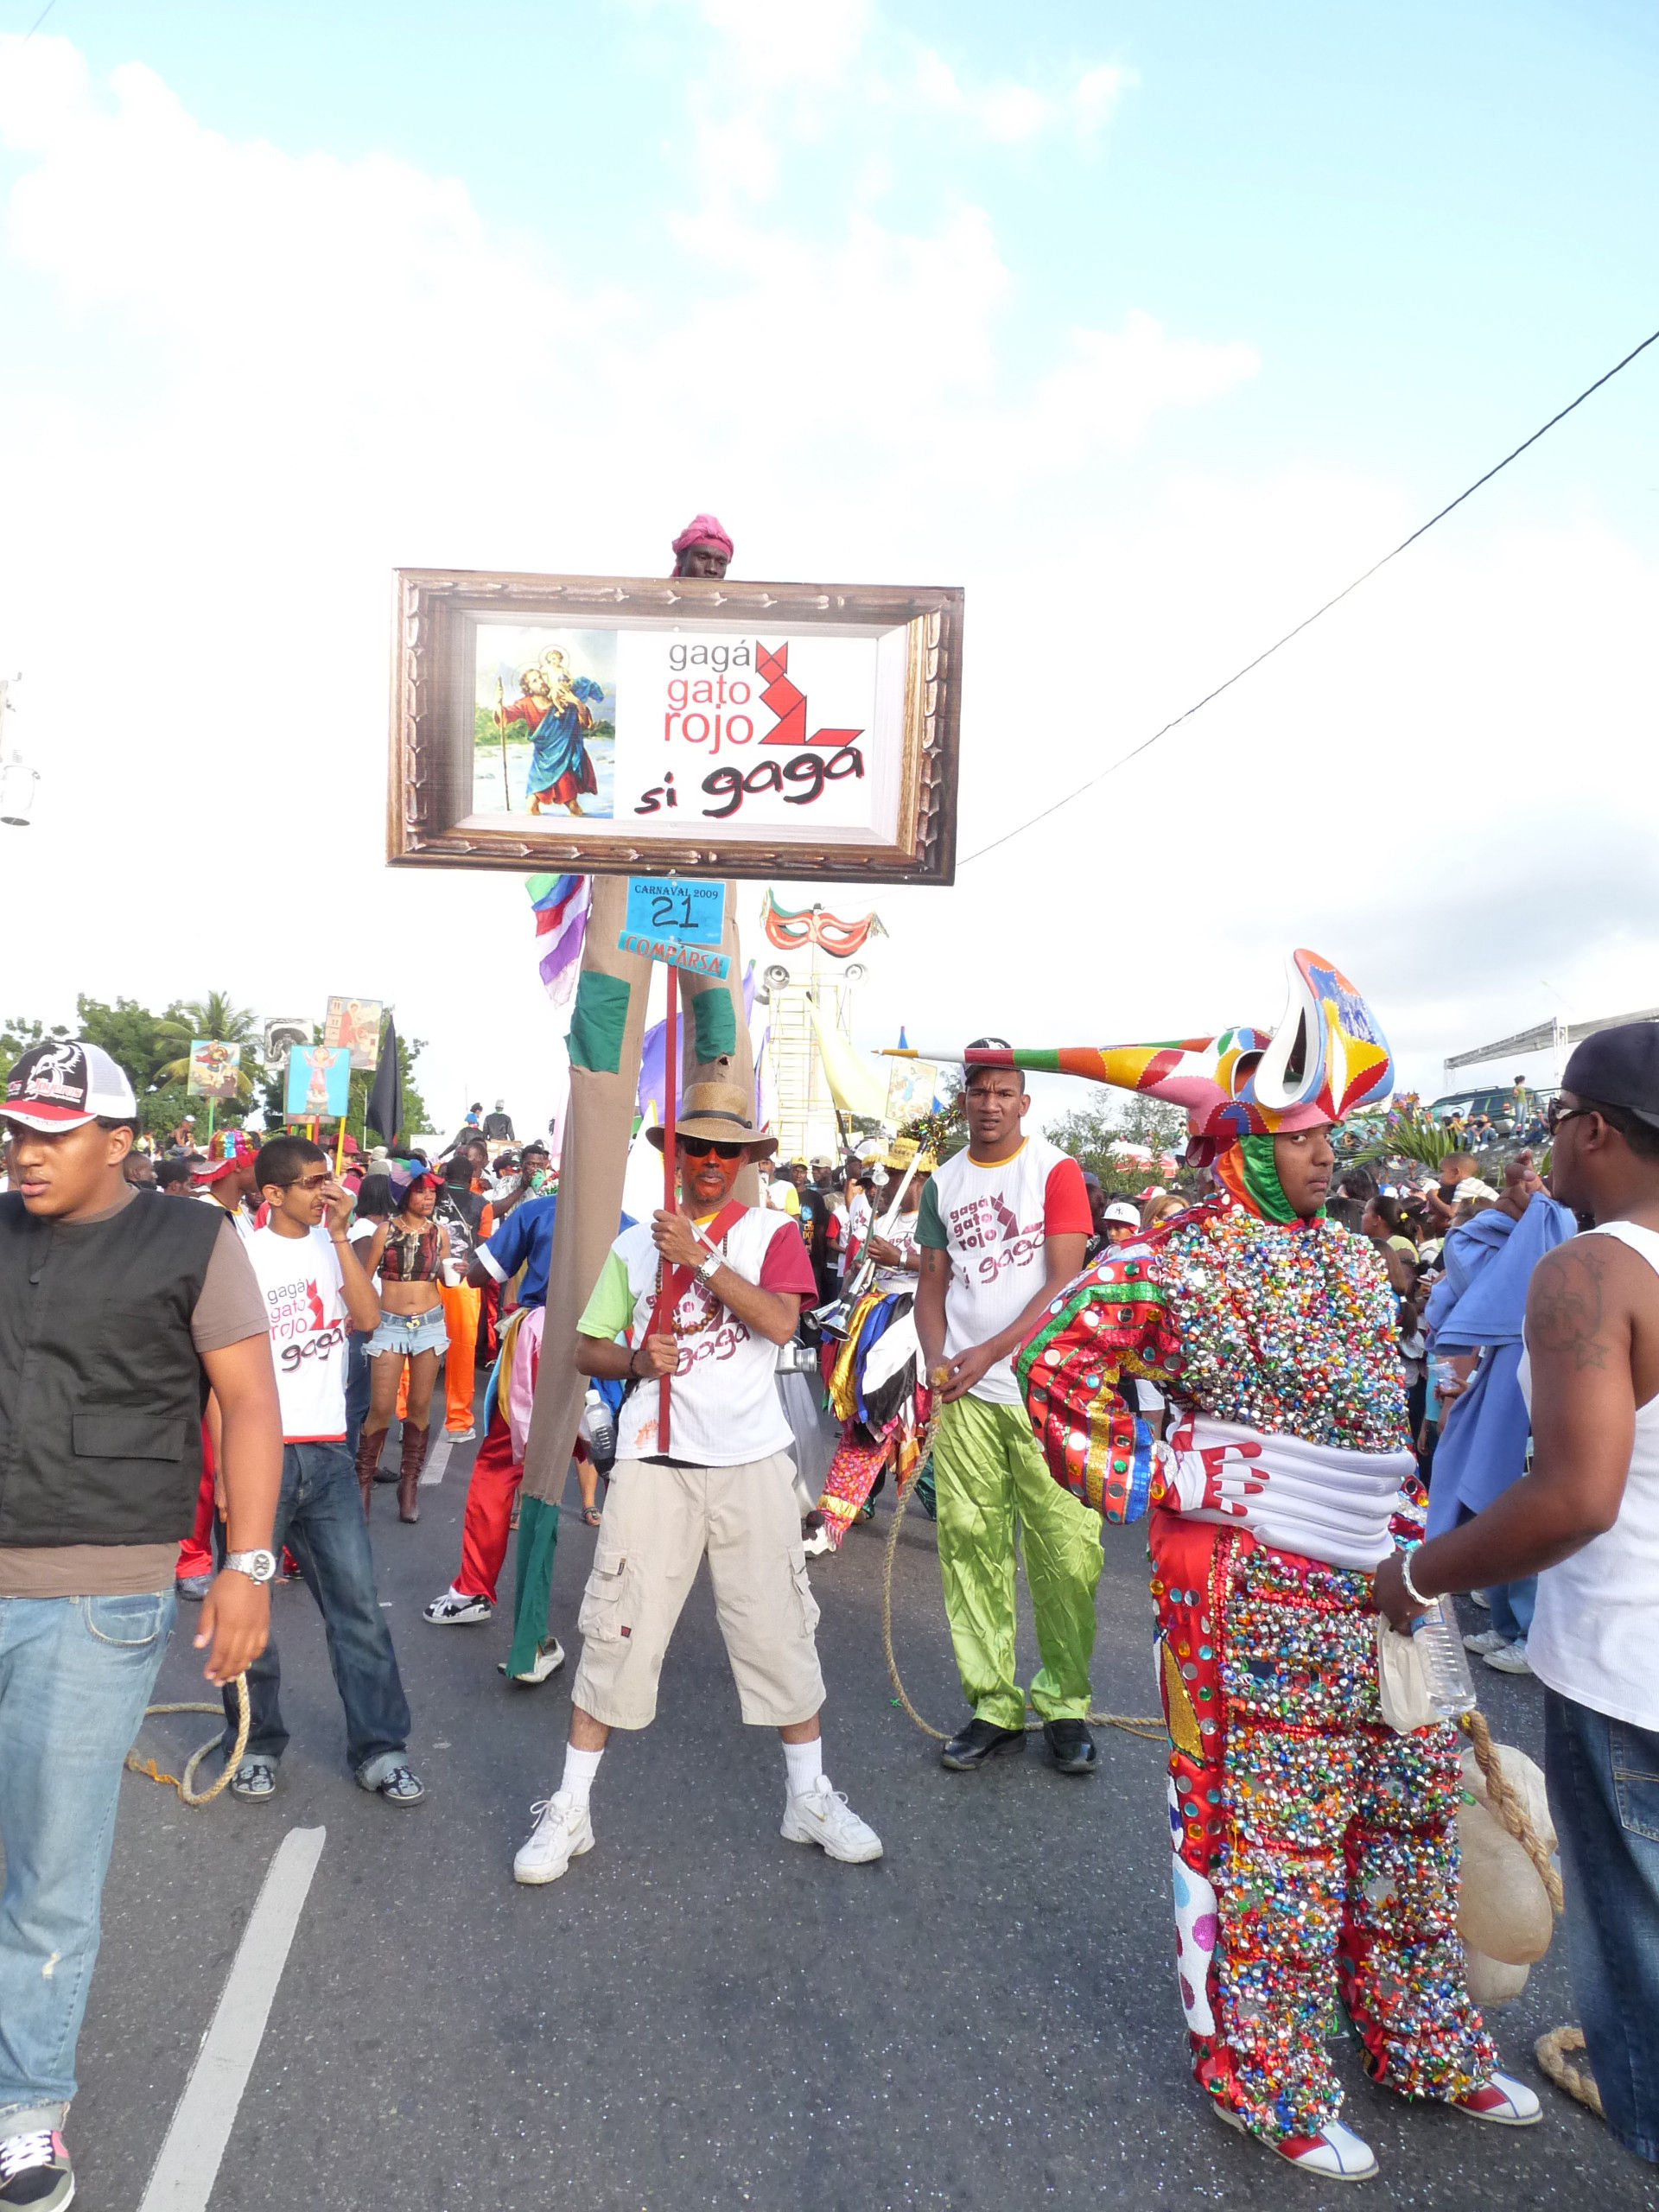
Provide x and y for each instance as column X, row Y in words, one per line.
column 1220, row 1479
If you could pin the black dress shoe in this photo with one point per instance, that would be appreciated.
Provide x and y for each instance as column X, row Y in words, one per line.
column 1071, row 1746
column 979, row 1741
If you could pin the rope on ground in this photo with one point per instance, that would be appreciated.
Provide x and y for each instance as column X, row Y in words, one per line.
column 1559, row 2055
column 184, row 1783
column 1510, row 1808
column 1149, row 1726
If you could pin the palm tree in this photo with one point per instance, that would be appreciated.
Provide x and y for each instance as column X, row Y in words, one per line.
column 214, row 1016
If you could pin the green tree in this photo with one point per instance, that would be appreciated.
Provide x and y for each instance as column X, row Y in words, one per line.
column 19, row 1033
column 1107, row 1117
column 216, row 1016
column 129, row 1033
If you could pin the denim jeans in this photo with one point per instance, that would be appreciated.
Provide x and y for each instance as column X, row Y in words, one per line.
column 357, row 1387
column 1512, row 1606
column 75, row 1676
column 320, row 1518
column 1604, row 1792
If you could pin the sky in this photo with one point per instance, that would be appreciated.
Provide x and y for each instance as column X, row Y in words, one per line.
column 1150, row 327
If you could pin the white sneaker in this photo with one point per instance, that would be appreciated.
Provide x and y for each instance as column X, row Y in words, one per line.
column 550, row 1657
column 455, row 1606
column 563, row 1832
column 1503, row 2099
column 1510, row 1658
column 1487, row 1640
column 1336, row 2154
column 823, row 1817
column 1483, row 1598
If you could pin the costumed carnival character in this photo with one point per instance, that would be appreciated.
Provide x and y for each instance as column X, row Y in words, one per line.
column 874, row 1371
column 1315, row 1849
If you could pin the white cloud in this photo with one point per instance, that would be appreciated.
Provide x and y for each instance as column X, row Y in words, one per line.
column 1014, row 114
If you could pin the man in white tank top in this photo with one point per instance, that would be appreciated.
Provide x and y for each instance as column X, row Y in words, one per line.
column 1587, row 1521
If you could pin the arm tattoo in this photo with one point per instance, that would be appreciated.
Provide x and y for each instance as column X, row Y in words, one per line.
column 1566, row 1317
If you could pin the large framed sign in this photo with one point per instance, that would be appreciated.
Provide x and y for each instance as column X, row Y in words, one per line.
column 622, row 725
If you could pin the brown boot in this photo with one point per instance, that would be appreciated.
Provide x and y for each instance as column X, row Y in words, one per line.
column 369, row 1448
column 415, row 1441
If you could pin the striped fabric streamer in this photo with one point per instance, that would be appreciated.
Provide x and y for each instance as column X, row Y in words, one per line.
column 559, row 903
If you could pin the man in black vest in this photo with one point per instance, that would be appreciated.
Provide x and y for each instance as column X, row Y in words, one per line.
column 117, row 1313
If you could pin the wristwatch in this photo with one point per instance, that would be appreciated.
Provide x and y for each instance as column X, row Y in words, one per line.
column 258, row 1566
column 710, row 1267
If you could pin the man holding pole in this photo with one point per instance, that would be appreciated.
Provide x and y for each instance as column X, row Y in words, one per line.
column 691, row 1311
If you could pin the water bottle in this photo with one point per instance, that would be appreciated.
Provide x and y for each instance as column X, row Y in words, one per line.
column 602, row 1437
column 1445, row 1664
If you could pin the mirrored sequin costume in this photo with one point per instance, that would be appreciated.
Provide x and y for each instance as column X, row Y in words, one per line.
column 1314, row 1849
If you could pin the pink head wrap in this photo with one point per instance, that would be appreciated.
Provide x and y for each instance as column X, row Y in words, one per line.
column 703, row 530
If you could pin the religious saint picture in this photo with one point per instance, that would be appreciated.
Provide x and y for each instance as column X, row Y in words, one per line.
column 318, row 1082
column 544, row 721
column 702, row 726
column 213, row 1069
column 354, row 1024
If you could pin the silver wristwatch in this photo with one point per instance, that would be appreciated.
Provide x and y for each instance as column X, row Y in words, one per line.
column 258, row 1566
column 710, row 1267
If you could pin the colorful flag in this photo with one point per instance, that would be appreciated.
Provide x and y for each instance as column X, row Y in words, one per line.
column 559, row 903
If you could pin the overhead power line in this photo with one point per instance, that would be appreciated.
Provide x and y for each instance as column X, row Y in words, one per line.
column 1238, row 675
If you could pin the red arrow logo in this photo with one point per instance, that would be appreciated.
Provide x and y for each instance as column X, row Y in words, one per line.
column 788, row 703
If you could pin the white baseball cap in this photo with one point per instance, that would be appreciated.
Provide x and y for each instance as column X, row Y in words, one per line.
column 66, row 1083
column 1120, row 1209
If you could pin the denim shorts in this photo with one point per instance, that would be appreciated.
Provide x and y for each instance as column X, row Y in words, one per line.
column 408, row 1333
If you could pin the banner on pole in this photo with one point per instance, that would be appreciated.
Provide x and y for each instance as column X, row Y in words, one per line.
column 678, row 922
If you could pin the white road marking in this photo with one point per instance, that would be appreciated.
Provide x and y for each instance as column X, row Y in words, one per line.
column 187, row 2166
column 438, row 1460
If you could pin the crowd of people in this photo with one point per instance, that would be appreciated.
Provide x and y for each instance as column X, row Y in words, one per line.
column 1336, row 1395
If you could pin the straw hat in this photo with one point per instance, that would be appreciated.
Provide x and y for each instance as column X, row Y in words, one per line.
column 899, row 1154
column 720, row 1114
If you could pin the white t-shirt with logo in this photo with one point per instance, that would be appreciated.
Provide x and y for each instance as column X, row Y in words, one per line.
column 993, row 1221
column 724, row 1409
column 305, row 1305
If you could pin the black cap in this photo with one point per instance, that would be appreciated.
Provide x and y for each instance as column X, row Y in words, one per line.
column 1619, row 1067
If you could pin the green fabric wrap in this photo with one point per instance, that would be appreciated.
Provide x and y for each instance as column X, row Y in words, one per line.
column 534, row 1549
column 597, row 1022
column 1262, row 1179
column 714, row 1023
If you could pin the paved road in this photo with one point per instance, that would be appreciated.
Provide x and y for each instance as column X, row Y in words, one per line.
column 700, row 2015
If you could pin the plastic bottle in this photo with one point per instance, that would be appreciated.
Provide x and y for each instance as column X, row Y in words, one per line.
column 1445, row 1664
column 601, row 1431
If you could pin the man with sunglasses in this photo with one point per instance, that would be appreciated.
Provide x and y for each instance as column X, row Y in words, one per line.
column 719, row 1484
column 313, row 1282
column 1585, row 1521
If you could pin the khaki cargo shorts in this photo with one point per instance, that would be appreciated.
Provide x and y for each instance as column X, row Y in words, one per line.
column 659, row 1524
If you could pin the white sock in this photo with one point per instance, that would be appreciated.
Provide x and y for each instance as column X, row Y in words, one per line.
column 580, row 1768
column 805, row 1764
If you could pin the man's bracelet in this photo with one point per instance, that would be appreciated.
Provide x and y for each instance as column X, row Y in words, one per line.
column 1412, row 1591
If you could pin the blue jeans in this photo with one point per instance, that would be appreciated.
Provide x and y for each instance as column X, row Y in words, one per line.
column 1604, row 1792
column 75, row 1676
column 357, row 1388
column 320, row 1518
column 1512, row 1606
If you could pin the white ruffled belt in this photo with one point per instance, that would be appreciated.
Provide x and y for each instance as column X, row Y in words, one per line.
column 1320, row 1499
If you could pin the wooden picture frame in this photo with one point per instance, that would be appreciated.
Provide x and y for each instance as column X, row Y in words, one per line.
column 848, row 773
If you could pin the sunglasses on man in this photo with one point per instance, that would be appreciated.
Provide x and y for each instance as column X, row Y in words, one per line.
column 700, row 1148
column 1557, row 1114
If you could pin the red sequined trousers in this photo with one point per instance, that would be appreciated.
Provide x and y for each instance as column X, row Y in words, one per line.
column 1315, row 1850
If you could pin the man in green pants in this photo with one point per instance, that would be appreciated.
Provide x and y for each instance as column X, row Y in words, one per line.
column 1002, row 1228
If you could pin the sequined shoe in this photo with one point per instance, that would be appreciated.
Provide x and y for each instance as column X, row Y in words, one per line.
column 1336, row 2154
column 1503, row 2099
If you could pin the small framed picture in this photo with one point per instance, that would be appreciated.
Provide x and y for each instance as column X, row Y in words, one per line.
column 619, row 725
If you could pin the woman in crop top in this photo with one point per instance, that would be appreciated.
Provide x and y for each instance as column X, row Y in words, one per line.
column 408, row 1252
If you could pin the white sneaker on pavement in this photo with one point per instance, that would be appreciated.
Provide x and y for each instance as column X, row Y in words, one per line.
column 821, row 1815
column 455, row 1606
column 1503, row 2099
column 1336, row 2154
column 563, row 1832
column 1510, row 1658
column 1487, row 1640
column 550, row 1657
